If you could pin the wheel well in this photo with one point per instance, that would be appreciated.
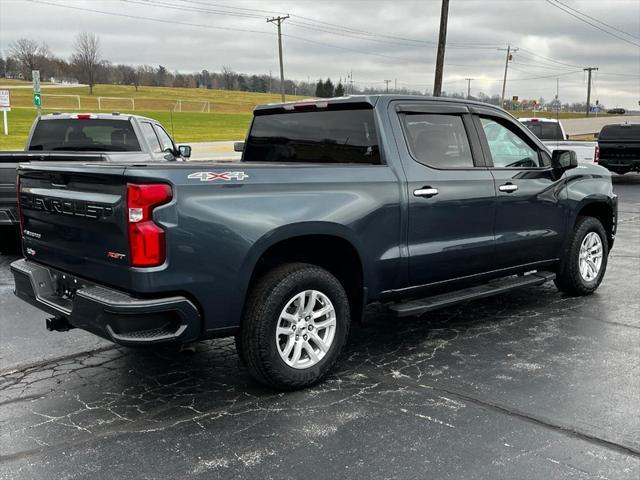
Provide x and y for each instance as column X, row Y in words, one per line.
column 335, row 254
column 602, row 212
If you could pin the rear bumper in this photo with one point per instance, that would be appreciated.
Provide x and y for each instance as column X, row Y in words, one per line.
column 112, row 314
column 619, row 164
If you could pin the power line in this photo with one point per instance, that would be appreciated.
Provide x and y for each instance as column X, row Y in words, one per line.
column 534, row 55
column 592, row 24
column 617, row 29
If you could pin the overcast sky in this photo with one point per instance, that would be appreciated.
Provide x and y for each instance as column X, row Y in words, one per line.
column 328, row 38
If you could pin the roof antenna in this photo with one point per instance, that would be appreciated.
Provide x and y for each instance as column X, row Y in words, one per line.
column 173, row 135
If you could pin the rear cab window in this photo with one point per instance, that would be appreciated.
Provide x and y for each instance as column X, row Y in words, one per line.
column 544, row 130
column 91, row 134
column 165, row 140
column 623, row 133
column 346, row 136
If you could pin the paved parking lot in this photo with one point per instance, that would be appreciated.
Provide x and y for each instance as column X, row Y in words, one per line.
column 528, row 385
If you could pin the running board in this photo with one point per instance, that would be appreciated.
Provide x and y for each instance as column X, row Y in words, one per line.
column 494, row 287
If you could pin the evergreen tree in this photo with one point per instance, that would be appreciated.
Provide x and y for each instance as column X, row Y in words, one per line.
column 339, row 92
column 328, row 88
column 320, row 89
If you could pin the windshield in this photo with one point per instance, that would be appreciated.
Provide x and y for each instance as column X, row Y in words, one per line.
column 629, row 132
column 89, row 135
column 336, row 136
column 545, row 130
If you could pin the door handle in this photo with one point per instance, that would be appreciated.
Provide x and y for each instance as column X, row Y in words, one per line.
column 426, row 192
column 508, row 187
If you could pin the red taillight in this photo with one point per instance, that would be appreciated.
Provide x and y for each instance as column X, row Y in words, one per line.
column 596, row 154
column 84, row 116
column 146, row 239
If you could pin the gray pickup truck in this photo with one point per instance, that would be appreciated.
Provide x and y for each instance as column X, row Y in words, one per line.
column 415, row 203
column 84, row 137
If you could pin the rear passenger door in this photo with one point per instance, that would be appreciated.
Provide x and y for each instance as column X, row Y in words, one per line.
column 530, row 219
column 451, row 196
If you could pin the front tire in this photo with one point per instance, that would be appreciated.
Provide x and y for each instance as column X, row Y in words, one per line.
column 582, row 269
column 296, row 323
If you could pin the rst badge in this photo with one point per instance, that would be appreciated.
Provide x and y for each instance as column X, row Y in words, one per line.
column 212, row 176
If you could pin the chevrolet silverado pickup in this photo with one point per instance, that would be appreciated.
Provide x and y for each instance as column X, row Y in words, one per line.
column 619, row 147
column 82, row 137
column 553, row 135
column 414, row 203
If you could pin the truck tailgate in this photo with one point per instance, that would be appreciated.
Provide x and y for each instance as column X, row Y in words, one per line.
column 73, row 218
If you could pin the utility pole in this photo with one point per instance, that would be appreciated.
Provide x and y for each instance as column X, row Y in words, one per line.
column 387, row 82
column 589, row 70
column 442, row 42
column 510, row 52
column 278, row 21
column 351, row 82
column 469, row 87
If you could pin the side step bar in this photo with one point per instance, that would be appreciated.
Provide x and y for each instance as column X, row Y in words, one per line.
column 494, row 287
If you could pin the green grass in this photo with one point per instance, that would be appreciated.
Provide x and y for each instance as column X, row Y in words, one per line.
column 561, row 115
column 187, row 127
column 228, row 120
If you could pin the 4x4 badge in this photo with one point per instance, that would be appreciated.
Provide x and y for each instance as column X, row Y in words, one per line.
column 211, row 176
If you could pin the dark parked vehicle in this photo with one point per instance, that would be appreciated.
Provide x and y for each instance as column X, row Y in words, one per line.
column 84, row 137
column 413, row 202
column 619, row 147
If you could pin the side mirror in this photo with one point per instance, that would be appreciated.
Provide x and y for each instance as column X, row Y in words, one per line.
column 562, row 160
column 566, row 136
column 238, row 147
column 185, row 150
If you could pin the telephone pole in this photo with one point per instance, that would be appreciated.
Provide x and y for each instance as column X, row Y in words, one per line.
column 387, row 82
column 278, row 21
column 442, row 41
column 469, row 87
column 589, row 70
column 510, row 52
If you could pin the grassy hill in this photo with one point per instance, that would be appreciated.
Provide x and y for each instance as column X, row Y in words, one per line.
column 230, row 111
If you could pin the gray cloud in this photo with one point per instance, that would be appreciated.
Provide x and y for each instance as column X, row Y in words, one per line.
column 534, row 25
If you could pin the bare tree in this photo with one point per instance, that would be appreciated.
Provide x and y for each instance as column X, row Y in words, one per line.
column 29, row 54
column 86, row 58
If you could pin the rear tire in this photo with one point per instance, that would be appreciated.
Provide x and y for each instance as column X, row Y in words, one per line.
column 584, row 266
column 296, row 323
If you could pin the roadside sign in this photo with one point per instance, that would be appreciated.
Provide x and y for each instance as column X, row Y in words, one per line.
column 5, row 106
column 35, row 75
column 37, row 99
column 514, row 98
column 5, row 100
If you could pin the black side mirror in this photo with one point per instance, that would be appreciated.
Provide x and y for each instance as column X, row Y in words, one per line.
column 185, row 150
column 562, row 160
column 566, row 136
column 238, row 147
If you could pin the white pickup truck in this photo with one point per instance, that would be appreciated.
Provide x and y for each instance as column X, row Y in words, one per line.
column 554, row 137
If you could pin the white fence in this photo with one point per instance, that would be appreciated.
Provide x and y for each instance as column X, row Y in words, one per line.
column 114, row 104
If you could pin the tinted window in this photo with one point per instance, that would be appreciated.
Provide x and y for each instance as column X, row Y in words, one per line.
column 344, row 136
column 150, row 137
column 508, row 149
column 85, row 135
column 620, row 132
column 545, row 130
column 439, row 141
column 165, row 139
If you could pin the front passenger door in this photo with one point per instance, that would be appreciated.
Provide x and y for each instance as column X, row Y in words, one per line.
column 530, row 219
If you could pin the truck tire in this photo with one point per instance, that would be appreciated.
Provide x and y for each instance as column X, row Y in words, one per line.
column 584, row 265
column 295, row 325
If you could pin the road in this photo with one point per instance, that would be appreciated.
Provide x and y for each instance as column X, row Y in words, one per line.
column 219, row 151
column 531, row 385
column 593, row 124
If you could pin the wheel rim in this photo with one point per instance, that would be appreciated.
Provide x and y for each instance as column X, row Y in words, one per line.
column 590, row 259
column 306, row 329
